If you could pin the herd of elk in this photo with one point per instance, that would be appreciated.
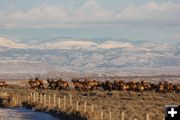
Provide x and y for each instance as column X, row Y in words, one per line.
column 119, row 85
column 89, row 85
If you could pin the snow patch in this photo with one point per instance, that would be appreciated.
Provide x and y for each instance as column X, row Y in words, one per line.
column 4, row 42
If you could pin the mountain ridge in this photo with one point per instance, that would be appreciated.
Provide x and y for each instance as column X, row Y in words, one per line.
column 89, row 56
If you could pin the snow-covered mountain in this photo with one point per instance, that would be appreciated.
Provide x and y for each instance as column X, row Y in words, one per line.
column 4, row 42
column 81, row 55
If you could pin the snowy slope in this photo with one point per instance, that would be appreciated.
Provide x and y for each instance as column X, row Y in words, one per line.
column 88, row 56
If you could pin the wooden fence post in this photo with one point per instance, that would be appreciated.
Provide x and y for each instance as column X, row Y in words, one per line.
column 49, row 100
column 34, row 97
column 35, row 94
column 59, row 103
column 85, row 104
column 64, row 102
column 147, row 116
column 20, row 102
column 54, row 100
column 77, row 106
column 95, row 117
column 110, row 115
column 31, row 96
column 70, row 99
column 122, row 116
column 37, row 97
column 44, row 100
column 14, row 101
column 101, row 115
column 92, row 108
column 41, row 98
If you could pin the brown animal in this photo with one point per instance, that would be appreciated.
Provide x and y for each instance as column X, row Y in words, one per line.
column 170, row 87
column 36, row 83
column 125, row 87
column 77, row 84
column 154, row 87
column 32, row 84
column 63, row 85
column 94, row 84
column 107, row 85
column 119, row 85
column 40, row 83
column 90, row 84
column 132, row 85
column 3, row 84
column 146, row 85
column 52, row 84
column 177, row 88
column 140, row 88
column 160, row 87
column 85, row 85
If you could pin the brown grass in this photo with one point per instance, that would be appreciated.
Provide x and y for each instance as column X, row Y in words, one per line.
column 133, row 104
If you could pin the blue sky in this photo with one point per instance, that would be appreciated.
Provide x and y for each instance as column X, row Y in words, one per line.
column 153, row 20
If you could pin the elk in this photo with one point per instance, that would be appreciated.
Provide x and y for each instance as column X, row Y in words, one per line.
column 3, row 84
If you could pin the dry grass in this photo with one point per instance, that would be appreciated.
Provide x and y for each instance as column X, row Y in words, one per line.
column 133, row 104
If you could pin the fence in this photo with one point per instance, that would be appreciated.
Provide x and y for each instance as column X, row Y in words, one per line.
column 67, row 104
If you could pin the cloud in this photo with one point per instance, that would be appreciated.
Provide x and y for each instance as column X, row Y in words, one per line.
column 42, row 12
column 151, row 12
column 90, row 13
column 91, row 10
